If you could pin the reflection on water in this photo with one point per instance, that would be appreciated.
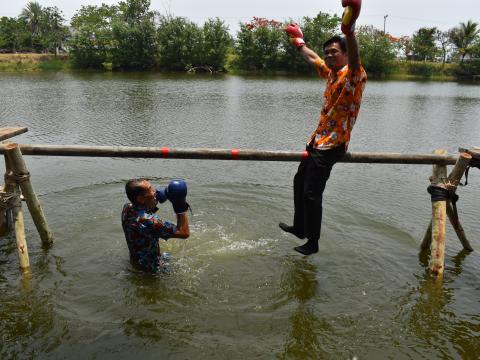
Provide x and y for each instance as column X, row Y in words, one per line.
column 237, row 289
column 300, row 284
column 428, row 311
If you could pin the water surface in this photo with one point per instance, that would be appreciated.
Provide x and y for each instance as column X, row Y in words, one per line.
column 237, row 289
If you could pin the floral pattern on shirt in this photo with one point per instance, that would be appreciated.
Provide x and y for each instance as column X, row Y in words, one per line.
column 143, row 228
column 341, row 104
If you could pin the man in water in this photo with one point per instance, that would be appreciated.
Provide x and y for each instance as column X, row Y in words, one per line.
column 143, row 228
column 346, row 80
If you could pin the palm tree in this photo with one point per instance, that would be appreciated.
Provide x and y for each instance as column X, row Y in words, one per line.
column 464, row 36
column 32, row 14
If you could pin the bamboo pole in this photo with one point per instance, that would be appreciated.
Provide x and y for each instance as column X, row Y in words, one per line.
column 19, row 225
column 20, row 236
column 459, row 169
column 439, row 215
column 439, row 210
column 224, row 154
column 453, row 181
column 457, row 226
column 3, row 221
column 31, row 199
column 439, row 174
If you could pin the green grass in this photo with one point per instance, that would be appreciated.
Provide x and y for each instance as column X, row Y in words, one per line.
column 33, row 62
column 412, row 70
column 401, row 70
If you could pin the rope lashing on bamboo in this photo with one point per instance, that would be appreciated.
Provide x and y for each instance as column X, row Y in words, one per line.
column 17, row 178
column 439, row 193
column 474, row 163
column 9, row 201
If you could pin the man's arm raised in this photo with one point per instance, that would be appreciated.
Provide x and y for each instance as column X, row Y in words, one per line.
column 350, row 15
column 296, row 38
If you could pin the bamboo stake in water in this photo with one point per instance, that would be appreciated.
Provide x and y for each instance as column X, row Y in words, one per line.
column 20, row 169
column 439, row 215
column 20, row 238
column 453, row 181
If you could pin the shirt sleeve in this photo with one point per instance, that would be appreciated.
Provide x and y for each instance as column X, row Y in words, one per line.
column 357, row 77
column 158, row 227
column 322, row 69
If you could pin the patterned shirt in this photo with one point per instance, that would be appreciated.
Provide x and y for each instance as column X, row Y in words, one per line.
column 143, row 228
column 341, row 103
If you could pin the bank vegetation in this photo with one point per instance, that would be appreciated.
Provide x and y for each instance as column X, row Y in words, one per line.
column 131, row 36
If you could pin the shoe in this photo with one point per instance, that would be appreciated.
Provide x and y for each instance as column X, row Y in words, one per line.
column 291, row 230
column 309, row 248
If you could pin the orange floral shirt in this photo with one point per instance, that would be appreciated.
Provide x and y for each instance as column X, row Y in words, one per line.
column 341, row 104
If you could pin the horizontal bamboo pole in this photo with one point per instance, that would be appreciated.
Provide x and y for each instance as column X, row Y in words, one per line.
column 224, row 154
column 8, row 132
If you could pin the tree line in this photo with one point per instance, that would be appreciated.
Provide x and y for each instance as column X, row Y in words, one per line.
column 129, row 35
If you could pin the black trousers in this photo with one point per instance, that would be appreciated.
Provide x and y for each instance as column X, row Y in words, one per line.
column 308, row 186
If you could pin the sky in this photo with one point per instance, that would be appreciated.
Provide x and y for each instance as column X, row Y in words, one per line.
column 404, row 16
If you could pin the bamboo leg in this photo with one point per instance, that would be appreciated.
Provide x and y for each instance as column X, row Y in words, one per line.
column 459, row 169
column 20, row 238
column 453, row 181
column 18, row 164
column 4, row 230
column 438, row 175
column 458, row 228
column 19, row 225
column 3, row 221
column 439, row 215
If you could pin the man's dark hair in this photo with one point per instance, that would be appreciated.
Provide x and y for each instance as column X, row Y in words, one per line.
column 340, row 40
column 134, row 188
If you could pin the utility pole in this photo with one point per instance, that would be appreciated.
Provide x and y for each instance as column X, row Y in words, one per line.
column 384, row 21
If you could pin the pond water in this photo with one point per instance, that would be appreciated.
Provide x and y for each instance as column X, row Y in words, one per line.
column 237, row 289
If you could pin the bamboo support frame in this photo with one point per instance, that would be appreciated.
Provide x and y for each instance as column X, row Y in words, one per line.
column 435, row 234
column 19, row 168
column 434, row 237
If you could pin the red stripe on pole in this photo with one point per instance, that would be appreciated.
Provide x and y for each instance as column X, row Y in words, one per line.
column 235, row 153
column 164, row 152
column 305, row 154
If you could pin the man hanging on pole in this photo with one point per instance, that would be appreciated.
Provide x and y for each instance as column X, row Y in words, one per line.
column 346, row 80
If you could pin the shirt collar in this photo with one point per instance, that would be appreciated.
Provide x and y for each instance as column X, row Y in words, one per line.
column 139, row 207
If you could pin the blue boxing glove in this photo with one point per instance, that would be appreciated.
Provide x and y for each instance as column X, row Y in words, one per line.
column 176, row 192
column 161, row 195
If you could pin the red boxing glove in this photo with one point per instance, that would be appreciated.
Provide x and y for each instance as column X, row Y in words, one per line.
column 350, row 14
column 296, row 35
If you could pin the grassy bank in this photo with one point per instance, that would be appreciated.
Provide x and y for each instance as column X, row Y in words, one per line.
column 420, row 70
column 33, row 62
column 401, row 70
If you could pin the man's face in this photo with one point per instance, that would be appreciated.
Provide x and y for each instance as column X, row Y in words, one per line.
column 335, row 58
column 148, row 198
